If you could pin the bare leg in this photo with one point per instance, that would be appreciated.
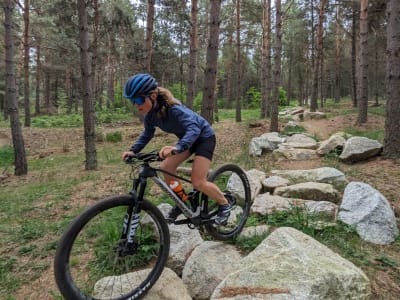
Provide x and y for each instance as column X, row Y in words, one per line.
column 200, row 169
column 172, row 163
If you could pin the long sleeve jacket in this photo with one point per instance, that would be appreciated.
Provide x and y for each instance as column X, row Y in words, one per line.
column 187, row 125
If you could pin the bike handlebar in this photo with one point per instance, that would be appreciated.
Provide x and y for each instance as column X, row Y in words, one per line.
column 145, row 157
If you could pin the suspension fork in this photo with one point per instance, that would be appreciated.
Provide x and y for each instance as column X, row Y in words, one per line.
column 131, row 219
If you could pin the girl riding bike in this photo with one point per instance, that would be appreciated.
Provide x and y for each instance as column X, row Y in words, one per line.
column 196, row 136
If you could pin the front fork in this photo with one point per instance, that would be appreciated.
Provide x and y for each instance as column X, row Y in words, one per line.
column 132, row 216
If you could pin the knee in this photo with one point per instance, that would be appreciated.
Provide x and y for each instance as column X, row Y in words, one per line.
column 198, row 184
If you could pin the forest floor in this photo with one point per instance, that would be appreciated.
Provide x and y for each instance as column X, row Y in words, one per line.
column 45, row 148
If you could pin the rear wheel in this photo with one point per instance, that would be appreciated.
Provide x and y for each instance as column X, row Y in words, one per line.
column 232, row 181
column 92, row 262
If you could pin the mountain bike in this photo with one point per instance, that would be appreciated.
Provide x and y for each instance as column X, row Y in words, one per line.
column 117, row 248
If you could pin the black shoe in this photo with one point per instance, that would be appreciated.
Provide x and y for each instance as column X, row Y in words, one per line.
column 224, row 211
column 231, row 199
column 173, row 214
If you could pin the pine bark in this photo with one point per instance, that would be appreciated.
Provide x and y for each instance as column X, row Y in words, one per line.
column 363, row 105
column 266, row 61
column 27, row 105
column 210, row 73
column 354, row 93
column 193, row 58
column 38, row 73
column 238, row 65
column 391, row 146
column 337, row 54
column 149, row 35
column 277, row 67
column 88, row 105
column 21, row 166
column 317, row 81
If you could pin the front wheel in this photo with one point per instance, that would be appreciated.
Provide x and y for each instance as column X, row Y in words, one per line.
column 232, row 181
column 93, row 262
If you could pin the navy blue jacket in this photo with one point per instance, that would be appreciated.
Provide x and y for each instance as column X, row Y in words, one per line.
column 187, row 125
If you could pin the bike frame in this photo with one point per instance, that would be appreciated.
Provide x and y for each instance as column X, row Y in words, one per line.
column 139, row 184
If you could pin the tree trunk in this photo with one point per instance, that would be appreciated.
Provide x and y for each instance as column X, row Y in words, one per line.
column 149, row 35
column 337, row 55
column 354, row 55
column 47, row 86
column 363, row 106
column 391, row 147
column 94, row 47
column 277, row 68
column 238, row 64
column 289, row 88
column 110, row 72
column 266, row 61
column 27, row 105
column 38, row 71
column 88, row 105
column 210, row 73
column 193, row 58
column 313, row 102
column 318, row 59
column 376, row 65
column 229, row 72
column 21, row 166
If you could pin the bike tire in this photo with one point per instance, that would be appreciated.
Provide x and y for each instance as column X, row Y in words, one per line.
column 87, row 264
column 230, row 179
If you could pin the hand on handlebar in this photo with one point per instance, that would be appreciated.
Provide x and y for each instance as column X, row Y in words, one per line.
column 167, row 151
column 127, row 155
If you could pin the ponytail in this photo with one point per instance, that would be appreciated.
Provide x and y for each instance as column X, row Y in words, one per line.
column 165, row 99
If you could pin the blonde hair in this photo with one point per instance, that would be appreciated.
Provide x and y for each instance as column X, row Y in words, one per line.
column 165, row 99
column 165, row 95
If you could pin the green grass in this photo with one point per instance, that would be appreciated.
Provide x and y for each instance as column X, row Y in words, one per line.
column 293, row 130
column 63, row 120
column 114, row 137
column 246, row 114
column 377, row 134
column 6, row 156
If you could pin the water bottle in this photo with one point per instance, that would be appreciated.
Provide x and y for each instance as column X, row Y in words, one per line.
column 177, row 187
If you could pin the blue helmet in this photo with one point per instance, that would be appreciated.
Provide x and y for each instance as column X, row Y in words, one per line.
column 139, row 84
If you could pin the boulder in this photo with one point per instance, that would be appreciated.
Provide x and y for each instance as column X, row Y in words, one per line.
column 310, row 191
column 168, row 287
column 324, row 175
column 359, row 148
column 291, row 265
column 334, row 143
column 291, row 153
column 370, row 212
column 207, row 266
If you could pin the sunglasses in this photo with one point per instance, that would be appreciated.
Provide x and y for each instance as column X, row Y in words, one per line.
column 139, row 100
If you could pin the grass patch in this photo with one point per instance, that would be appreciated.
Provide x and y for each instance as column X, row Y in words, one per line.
column 9, row 278
column 246, row 114
column 248, row 244
column 114, row 137
column 288, row 130
column 6, row 156
column 377, row 134
column 377, row 110
column 63, row 120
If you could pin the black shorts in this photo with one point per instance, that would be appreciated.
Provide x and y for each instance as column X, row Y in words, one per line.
column 204, row 147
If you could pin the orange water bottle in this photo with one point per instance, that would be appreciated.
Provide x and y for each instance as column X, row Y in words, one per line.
column 177, row 187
